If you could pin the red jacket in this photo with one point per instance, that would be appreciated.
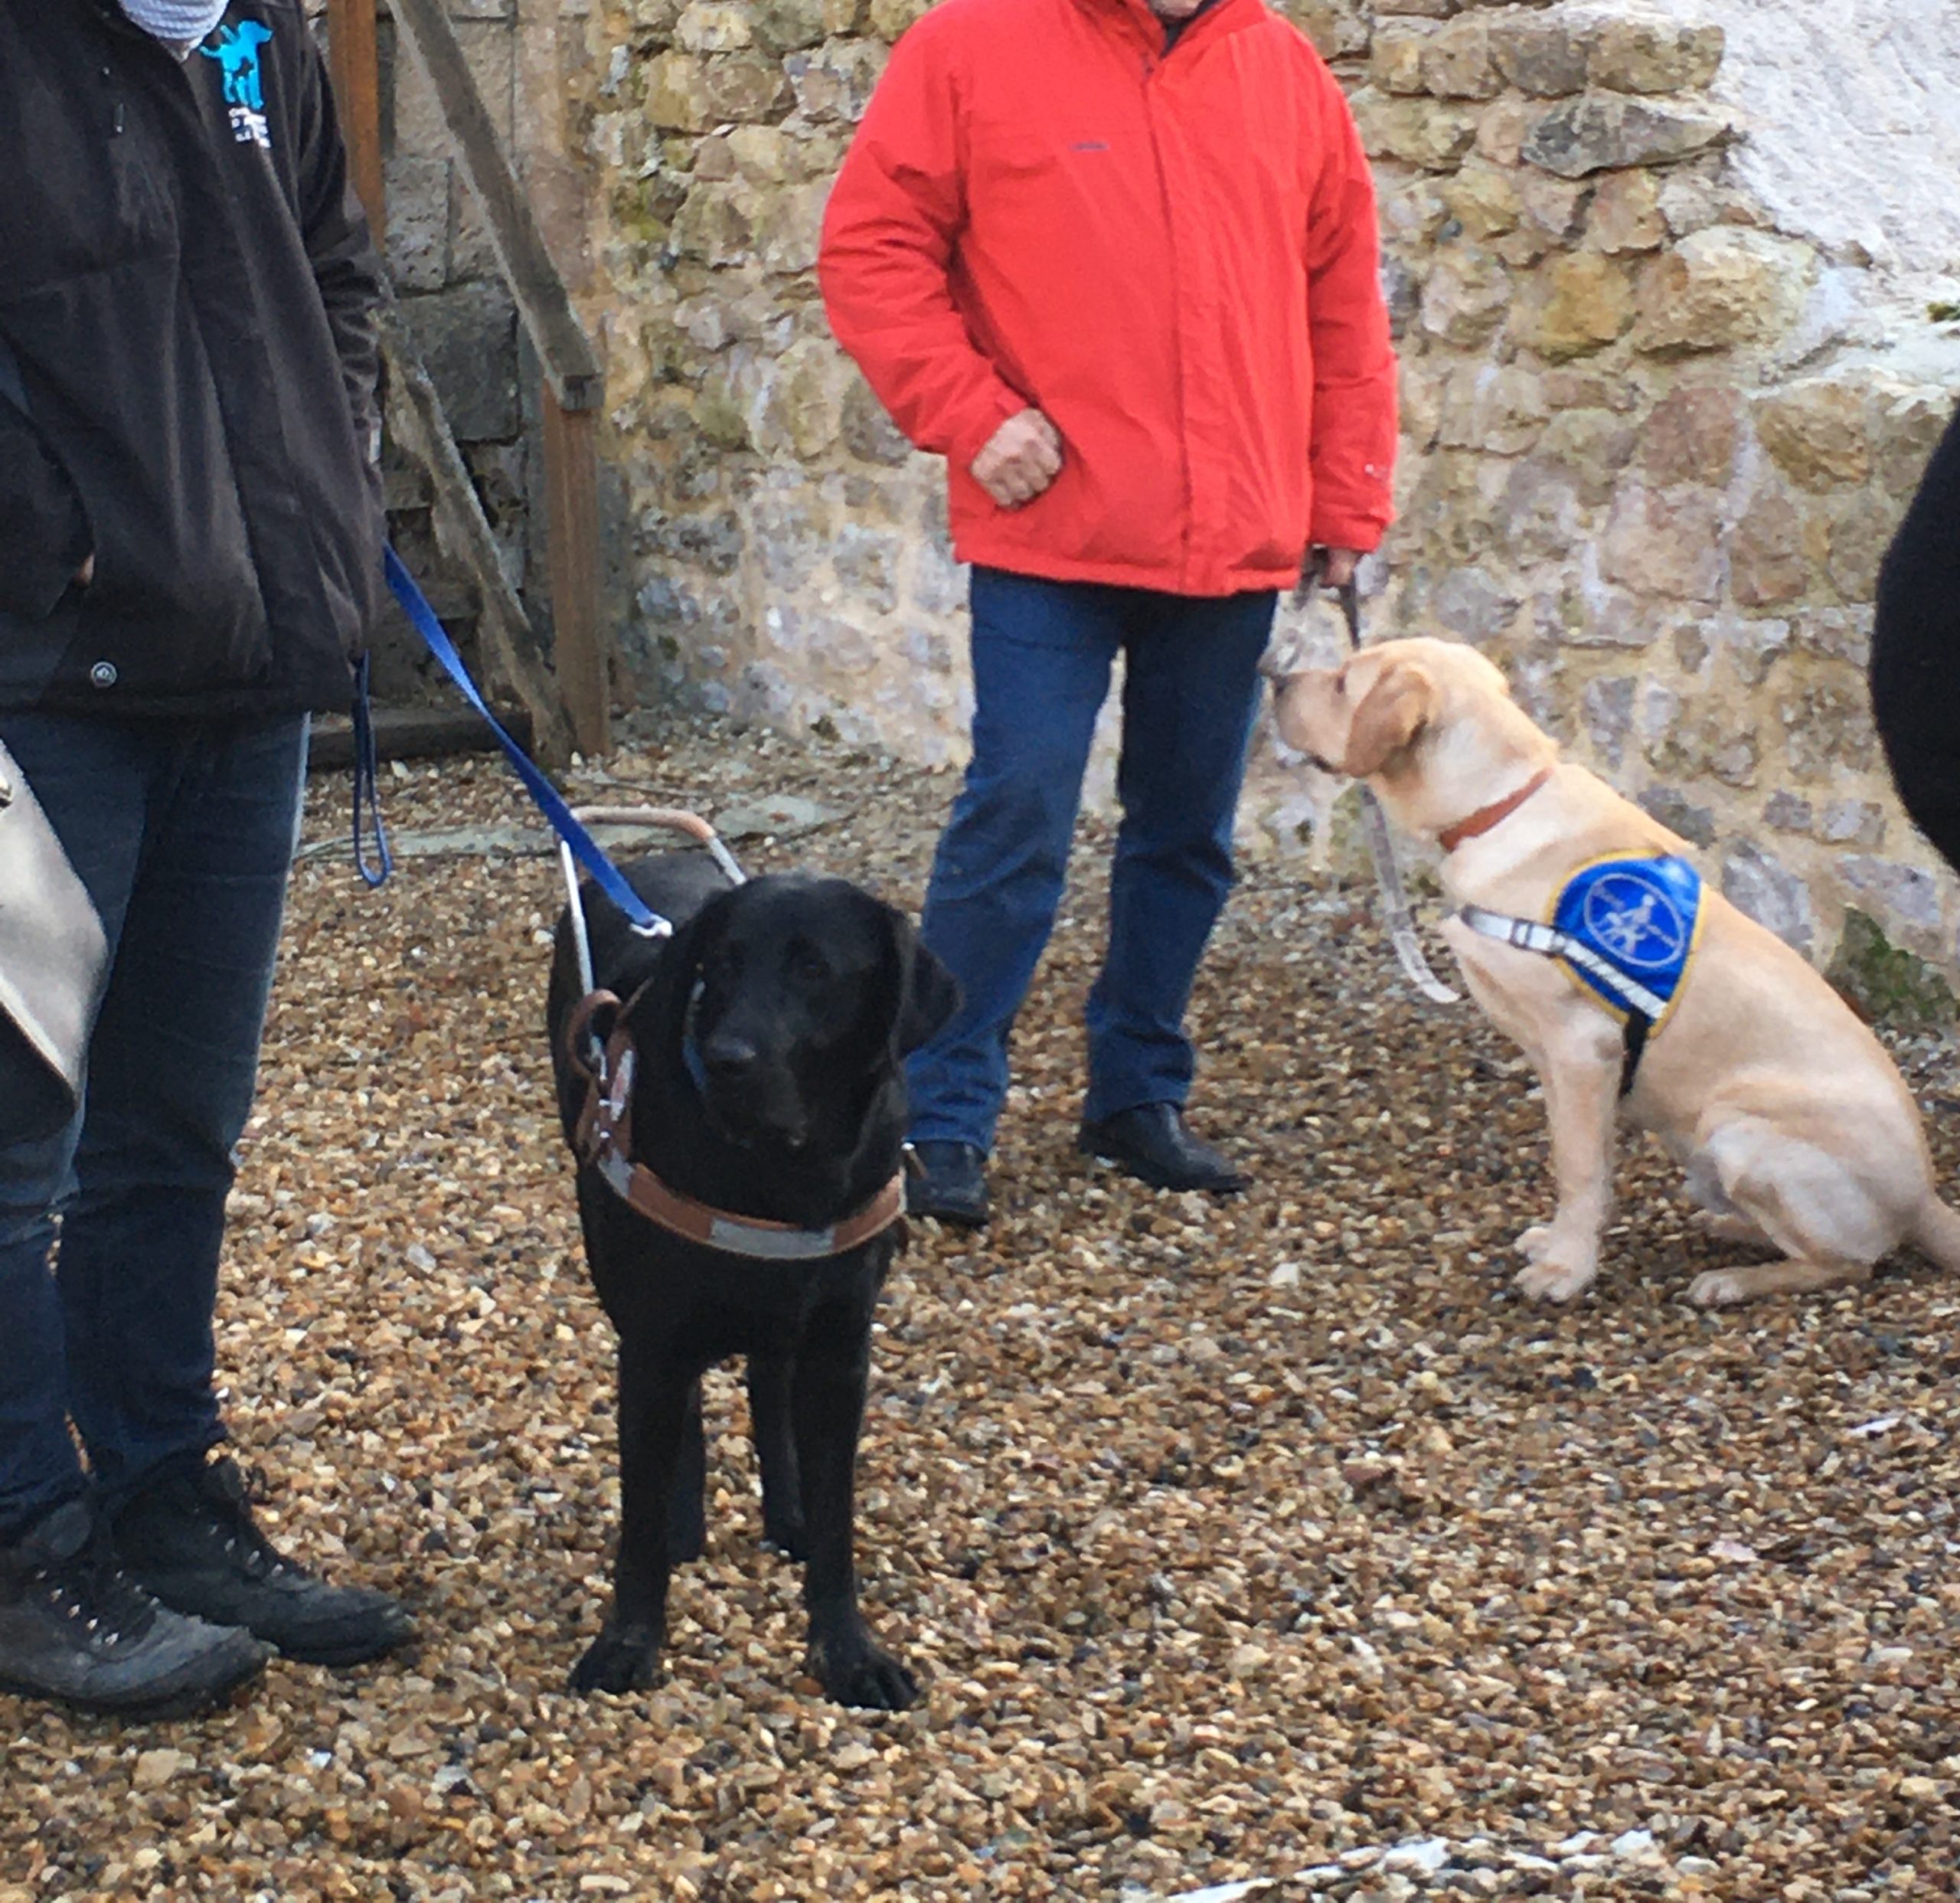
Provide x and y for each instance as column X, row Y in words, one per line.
column 1174, row 255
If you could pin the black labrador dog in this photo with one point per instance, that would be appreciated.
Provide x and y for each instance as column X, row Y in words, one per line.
column 766, row 1036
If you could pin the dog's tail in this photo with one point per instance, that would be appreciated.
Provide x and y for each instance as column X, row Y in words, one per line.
column 1935, row 1232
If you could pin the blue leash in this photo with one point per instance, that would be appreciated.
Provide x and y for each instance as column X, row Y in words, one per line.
column 587, row 849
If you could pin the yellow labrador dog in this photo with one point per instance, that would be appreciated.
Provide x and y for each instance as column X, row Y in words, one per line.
column 1588, row 938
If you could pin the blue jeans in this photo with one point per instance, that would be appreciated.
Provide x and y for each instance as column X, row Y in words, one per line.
column 1042, row 652
column 183, row 832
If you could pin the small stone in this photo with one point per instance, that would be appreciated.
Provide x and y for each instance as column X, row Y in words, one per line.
column 1546, row 58
column 1691, row 436
column 1909, row 893
column 1456, row 62
column 712, row 26
column 1767, row 563
column 1579, row 302
column 1653, row 56
column 1555, row 206
column 1861, row 527
column 1626, row 214
column 154, row 1768
column 1424, row 1856
column 1904, row 430
column 1484, row 199
column 1664, row 542
column 1499, row 407
column 1417, row 132
column 1395, row 60
column 1675, row 811
column 786, row 26
column 1598, row 131
column 833, row 82
column 1719, row 288
column 1606, row 710
column 1815, row 432
column 1467, row 294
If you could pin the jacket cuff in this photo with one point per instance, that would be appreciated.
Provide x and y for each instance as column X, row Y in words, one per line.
column 1335, row 530
column 976, row 426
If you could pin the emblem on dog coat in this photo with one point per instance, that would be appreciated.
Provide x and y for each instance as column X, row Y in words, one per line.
column 1638, row 917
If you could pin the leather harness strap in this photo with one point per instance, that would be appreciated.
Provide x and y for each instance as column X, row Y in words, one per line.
column 1481, row 821
column 604, row 1140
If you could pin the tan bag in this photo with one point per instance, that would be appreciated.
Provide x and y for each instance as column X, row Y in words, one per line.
column 53, row 962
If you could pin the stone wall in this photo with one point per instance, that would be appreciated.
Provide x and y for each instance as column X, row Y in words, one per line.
column 464, row 322
column 1653, row 449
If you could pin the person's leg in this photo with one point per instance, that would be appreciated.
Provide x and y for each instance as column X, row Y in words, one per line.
column 1191, row 689
column 1042, row 652
column 92, row 778
column 171, row 1069
column 73, row 1627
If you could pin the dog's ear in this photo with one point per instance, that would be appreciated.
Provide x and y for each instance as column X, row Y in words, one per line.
column 1403, row 700
column 927, row 995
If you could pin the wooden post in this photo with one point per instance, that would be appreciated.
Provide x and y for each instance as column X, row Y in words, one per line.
column 355, row 64
column 571, row 482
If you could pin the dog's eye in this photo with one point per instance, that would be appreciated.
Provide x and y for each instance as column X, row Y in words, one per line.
column 807, row 965
column 1341, row 682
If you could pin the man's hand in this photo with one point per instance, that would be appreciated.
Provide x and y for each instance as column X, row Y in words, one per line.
column 1021, row 459
column 1337, row 566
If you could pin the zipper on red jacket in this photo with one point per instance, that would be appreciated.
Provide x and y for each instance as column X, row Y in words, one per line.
column 1150, row 66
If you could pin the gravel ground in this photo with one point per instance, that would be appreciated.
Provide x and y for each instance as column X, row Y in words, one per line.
column 1273, row 1540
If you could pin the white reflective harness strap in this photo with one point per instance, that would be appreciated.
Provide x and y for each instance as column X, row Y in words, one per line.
column 1645, row 1009
column 1549, row 942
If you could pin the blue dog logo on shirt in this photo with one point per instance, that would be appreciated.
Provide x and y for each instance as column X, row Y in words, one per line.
column 236, row 50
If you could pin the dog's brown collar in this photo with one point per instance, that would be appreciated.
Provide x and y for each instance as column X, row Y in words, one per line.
column 604, row 1140
column 1481, row 821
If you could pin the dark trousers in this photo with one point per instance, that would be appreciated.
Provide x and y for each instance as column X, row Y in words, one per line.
column 183, row 833
column 1916, row 652
column 1042, row 656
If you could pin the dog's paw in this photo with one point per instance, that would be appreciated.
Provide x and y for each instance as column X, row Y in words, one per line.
column 1720, row 1288
column 786, row 1536
column 622, row 1658
column 1533, row 1242
column 686, row 1541
column 1549, row 1280
column 860, row 1672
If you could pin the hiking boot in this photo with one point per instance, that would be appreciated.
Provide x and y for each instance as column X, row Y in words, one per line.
column 190, row 1538
column 950, row 1183
column 76, row 1628
column 1152, row 1144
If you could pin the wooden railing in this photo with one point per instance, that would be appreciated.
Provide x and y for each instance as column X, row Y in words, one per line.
column 574, row 386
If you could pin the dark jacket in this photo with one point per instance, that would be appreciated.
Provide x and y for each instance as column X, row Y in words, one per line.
column 187, row 369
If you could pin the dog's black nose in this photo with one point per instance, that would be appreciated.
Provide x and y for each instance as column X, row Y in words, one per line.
column 728, row 1057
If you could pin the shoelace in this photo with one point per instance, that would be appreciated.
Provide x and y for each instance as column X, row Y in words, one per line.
column 232, row 1519
column 91, row 1590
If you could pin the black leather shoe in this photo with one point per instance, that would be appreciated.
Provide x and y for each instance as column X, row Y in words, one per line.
column 75, row 1628
column 1151, row 1142
column 950, row 1183
column 189, row 1537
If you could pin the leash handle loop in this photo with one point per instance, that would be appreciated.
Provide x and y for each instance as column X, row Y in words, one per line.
column 605, row 874
column 367, row 785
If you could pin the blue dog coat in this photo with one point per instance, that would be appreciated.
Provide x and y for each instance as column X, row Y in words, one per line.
column 1625, row 929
